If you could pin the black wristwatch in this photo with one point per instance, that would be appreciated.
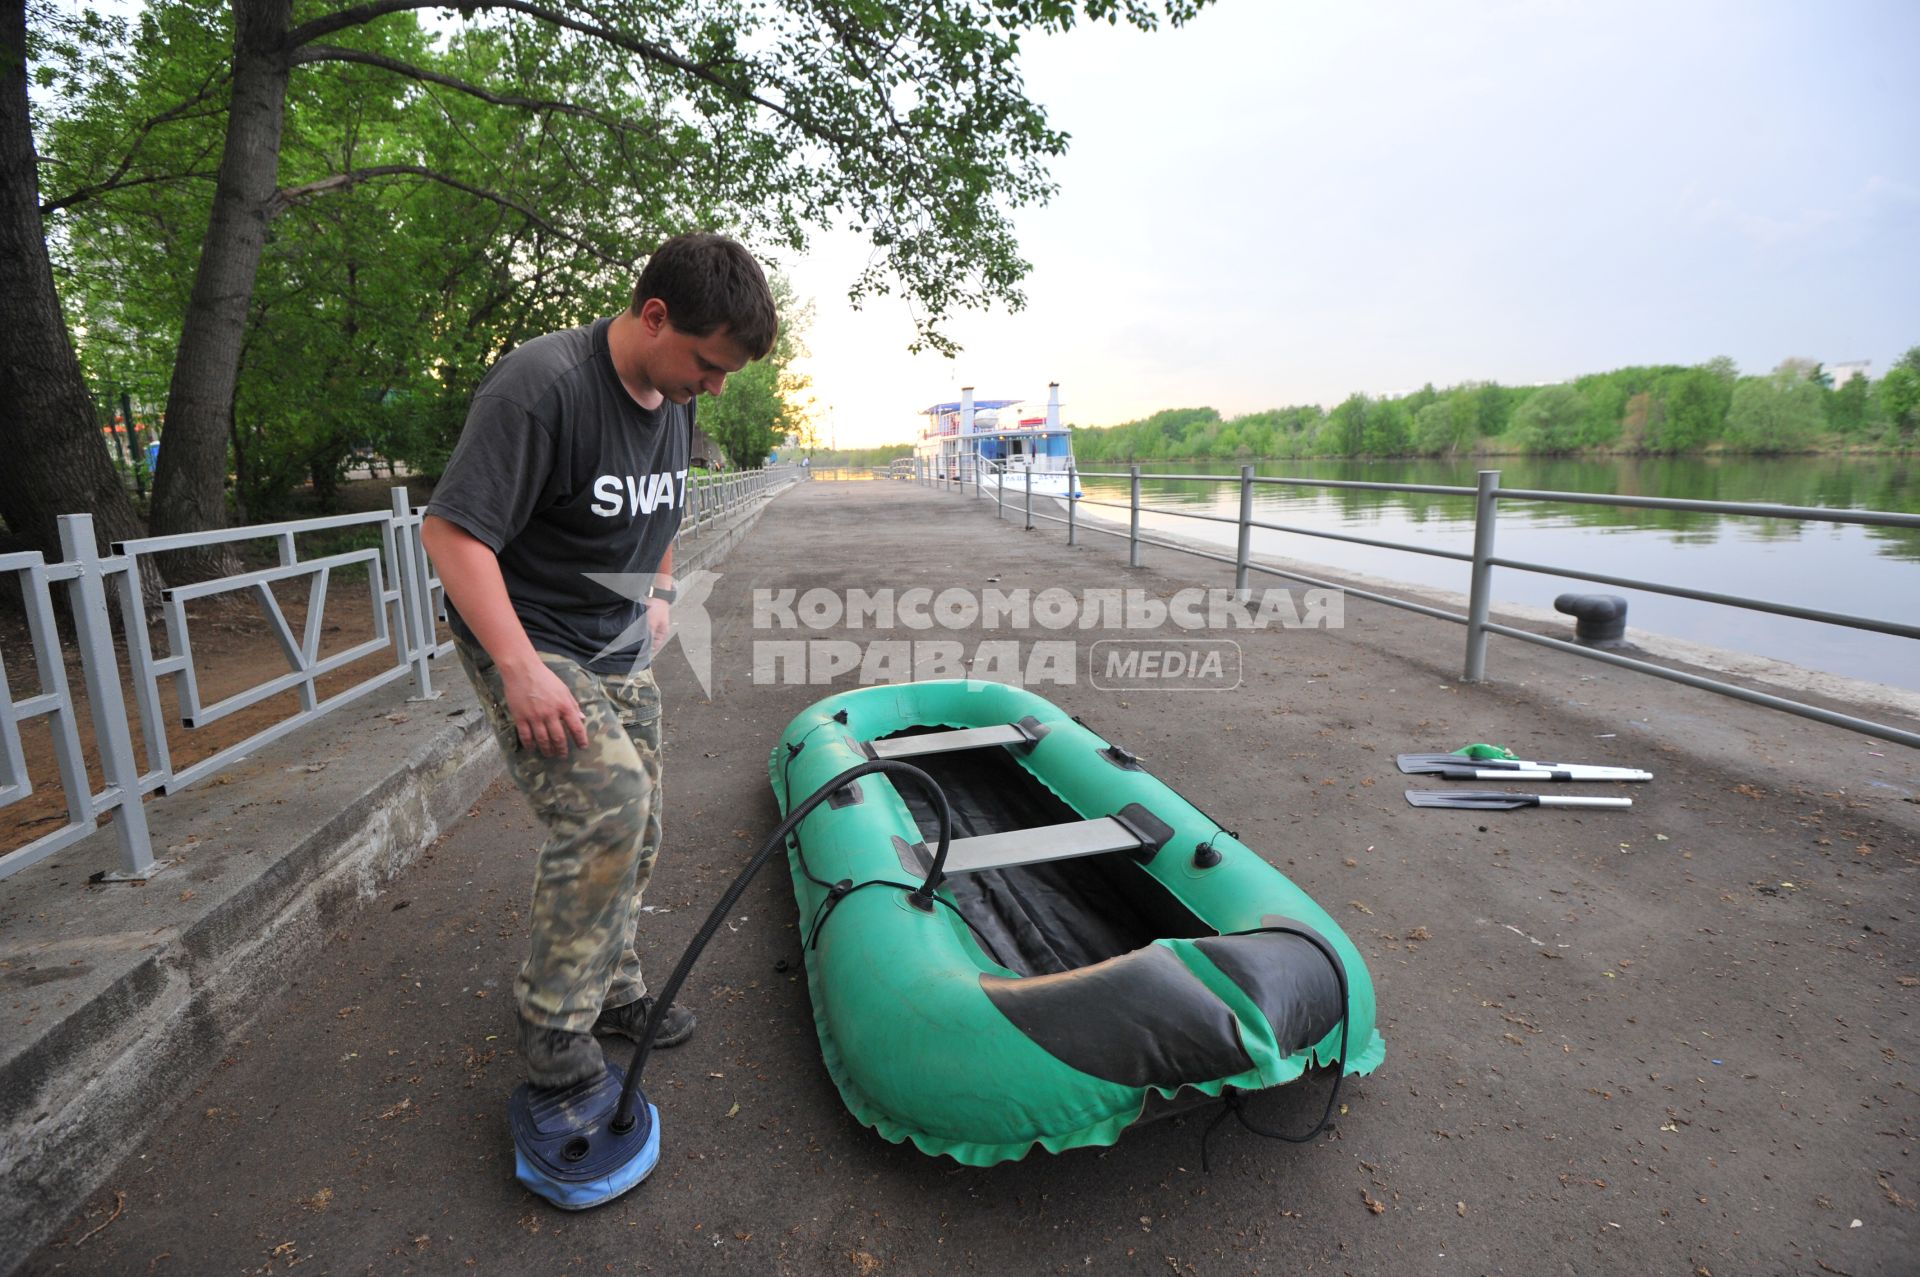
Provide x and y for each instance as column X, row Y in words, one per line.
column 665, row 593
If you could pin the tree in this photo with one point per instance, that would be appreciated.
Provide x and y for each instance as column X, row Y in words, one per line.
column 1551, row 420
column 911, row 123
column 1387, row 431
column 1433, row 430
column 1900, row 395
column 1695, row 412
column 1780, row 412
column 56, row 462
column 1847, row 406
column 1346, row 426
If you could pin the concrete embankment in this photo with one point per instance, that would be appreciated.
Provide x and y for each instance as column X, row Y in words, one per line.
column 1676, row 1038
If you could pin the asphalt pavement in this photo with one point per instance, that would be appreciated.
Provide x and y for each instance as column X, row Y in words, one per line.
column 1675, row 1039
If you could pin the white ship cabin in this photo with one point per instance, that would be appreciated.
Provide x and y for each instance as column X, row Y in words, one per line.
column 995, row 441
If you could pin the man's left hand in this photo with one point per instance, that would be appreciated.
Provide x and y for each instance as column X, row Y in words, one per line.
column 657, row 622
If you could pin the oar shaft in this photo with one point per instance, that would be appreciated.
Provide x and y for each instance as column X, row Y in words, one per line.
column 1460, row 767
column 1536, row 773
column 1585, row 771
column 1559, row 800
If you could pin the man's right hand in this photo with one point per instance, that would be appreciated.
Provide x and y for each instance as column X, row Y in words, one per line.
column 543, row 708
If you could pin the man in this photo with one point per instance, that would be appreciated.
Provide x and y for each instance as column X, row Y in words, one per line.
column 571, row 472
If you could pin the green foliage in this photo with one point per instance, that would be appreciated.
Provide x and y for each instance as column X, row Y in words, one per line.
column 1663, row 409
column 1173, row 432
column 1552, row 420
column 1695, row 408
column 1900, row 395
column 1848, row 406
column 1387, row 431
column 1447, row 426
column 1345, row 433
column 445, row 195
column 1781, row 412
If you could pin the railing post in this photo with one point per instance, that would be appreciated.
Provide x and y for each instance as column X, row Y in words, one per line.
column 101, row 670
column 1133, row 521
column 1073, row 500
column 1482, row 581
column 1243, row 555
column 1029, row 498
column 416, row 596
column 1000, row 494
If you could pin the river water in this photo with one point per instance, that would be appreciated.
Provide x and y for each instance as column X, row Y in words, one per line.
column 1864, row 571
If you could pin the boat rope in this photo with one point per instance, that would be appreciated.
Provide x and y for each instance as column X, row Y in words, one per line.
column 1235, row 1099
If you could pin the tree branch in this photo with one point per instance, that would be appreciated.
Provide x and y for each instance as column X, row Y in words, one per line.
column 308, row 32
column 84, row 193
column 287, row 197
column 331, row 53
column 112, row 181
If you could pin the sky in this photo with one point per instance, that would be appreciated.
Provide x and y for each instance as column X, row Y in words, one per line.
column 1285, row 203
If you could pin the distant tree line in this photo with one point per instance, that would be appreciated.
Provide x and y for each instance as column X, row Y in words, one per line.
column 1657, row 410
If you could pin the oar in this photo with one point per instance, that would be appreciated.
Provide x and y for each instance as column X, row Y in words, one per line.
column 1498, row 800
column 1432, row 764
column 1516, row 773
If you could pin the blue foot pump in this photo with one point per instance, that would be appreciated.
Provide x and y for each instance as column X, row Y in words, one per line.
column 583, row 1145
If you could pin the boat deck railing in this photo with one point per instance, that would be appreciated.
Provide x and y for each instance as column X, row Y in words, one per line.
column 1487, row 497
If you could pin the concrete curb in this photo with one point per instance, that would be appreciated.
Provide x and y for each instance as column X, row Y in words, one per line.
column 116, row 1000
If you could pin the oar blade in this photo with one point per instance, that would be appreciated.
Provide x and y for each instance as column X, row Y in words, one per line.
column 1444, row 764
column 1429, row 764
column 1473, row 799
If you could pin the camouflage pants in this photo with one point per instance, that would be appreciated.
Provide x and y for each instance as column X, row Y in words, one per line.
column 601, row 808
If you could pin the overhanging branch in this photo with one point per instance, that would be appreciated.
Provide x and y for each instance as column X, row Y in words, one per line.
column 331, row 53
column 92, row 189
column 359, row 15
column 113, row 181
column 287, row 197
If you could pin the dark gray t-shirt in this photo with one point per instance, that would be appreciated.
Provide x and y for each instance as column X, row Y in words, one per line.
column 561, row 474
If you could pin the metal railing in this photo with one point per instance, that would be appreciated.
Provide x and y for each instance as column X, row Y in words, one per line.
column 406, row 603
column 714, row 497
column 1483, row 559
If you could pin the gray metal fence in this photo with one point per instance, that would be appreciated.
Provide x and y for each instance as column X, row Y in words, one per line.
column 406, row 606
column 1487, row 497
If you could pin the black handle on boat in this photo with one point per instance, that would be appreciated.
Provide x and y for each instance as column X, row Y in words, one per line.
column 629, row 1088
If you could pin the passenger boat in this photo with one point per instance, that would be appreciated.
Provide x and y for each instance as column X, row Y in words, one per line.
column 1097, row 952
column 998, row 444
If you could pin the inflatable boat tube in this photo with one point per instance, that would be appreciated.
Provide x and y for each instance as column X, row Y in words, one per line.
column 1096, row 945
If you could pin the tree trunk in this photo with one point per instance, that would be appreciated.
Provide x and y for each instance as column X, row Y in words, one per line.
column 54, row 460
column 189, row 489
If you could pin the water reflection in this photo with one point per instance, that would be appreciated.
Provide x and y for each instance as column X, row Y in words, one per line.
column 1845, row 568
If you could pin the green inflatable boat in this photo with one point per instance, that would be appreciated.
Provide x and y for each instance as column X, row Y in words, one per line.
column 1093, row 945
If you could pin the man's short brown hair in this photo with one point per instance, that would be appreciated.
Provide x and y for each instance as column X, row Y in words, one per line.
column 710, row 282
